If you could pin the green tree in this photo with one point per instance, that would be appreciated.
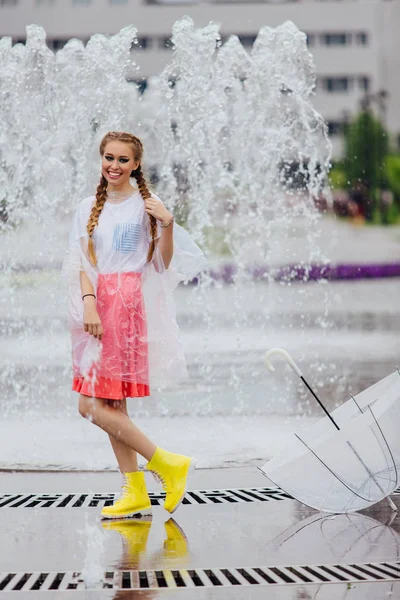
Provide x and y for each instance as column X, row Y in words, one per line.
column 393, row 174
column 365, row 158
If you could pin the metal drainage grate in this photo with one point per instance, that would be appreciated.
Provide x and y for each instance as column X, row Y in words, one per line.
column 202, row 497
column 193, row 578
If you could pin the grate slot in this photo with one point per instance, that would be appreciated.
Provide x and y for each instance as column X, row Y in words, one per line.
column 66, row 501
column 316, row 574
column 230, row 577
column 39, row 581
column 9, row 500
column 78, row 503
column 161, row 581
column 178, row 579
column 22, row 581
column 333, row 573
column 260, row 498
column 395, row 567
column 197, row 498
column 241, row 497
column 300, row 575
column 214, row 497
column 349, row 572
column 194, row 576
column 384, row 571
column 366, row 572
column 57, row 581
column 6, row 580
column 220, row 497
column 126, row 580
column 22, row 501
column 212, row 577
column 248, row 577
column 264, row 575
column 286, row 578
column 143, row 580
column 106, row 499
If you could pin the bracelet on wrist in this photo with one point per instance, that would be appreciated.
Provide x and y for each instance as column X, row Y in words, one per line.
column 84, row 296
column 163, row 225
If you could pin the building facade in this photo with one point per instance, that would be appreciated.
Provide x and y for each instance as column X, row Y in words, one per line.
column 355, row 43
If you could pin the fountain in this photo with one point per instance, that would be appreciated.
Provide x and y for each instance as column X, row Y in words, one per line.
column 240, row 155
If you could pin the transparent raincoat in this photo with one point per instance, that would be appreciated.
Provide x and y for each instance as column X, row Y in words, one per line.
column 134, row 297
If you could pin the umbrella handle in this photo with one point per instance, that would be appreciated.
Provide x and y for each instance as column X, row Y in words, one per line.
column 286, row 356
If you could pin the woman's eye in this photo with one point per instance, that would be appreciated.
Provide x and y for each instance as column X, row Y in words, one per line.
column 110, row 158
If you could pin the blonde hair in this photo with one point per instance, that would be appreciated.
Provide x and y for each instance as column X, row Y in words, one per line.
column 101, row 192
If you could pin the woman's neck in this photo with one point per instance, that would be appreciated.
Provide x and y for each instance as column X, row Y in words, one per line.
column 118, row 190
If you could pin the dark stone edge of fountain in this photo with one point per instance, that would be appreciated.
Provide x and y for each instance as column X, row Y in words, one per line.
column 227, row 272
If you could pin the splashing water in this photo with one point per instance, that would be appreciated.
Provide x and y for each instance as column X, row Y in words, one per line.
column 240, row 156
column 93, row 571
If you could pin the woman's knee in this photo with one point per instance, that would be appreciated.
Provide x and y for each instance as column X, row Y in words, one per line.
column 87, row 407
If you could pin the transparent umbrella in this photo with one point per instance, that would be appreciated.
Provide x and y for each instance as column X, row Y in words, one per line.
column 350, row 459
column 345, row 537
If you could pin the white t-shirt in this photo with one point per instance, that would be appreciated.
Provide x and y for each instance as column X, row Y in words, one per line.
column 122, row 235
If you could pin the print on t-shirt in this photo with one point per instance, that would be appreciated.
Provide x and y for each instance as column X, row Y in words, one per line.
column 126, row 237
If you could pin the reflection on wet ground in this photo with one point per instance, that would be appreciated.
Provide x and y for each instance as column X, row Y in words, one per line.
column 209, row 541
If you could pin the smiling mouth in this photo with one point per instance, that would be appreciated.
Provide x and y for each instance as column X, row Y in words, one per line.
column 114, row 175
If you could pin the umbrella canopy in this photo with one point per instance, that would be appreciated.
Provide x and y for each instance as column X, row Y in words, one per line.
column 350, row 459
column 346, row 537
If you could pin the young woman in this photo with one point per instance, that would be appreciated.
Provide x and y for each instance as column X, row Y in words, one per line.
column 125, row 257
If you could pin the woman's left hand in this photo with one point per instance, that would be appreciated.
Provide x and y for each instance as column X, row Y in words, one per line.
column 157, row 209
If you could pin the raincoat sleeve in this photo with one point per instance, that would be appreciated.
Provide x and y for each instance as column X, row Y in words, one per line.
column 166, row 359
column 84, row 346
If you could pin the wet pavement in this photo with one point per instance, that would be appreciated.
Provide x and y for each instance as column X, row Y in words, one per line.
column 235, row 536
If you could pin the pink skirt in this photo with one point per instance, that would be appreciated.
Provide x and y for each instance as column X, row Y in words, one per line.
column 122, row 371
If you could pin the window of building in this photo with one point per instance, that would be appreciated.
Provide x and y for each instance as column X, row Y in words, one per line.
column 310, row 39
column 247, row 40
column 143, row 42
column 84, row 2
column 56, row 44
column 165, row 42
column 361, row 38
column 8, row 2
column 363, row 83
column 335, row 39
column 45, row 2
column 336, row 127
column 118, row 1
column 336, row 84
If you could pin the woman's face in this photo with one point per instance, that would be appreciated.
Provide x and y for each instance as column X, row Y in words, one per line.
column 117, row 163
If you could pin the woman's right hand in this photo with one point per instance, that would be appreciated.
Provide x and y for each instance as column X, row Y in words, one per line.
column 91, row 319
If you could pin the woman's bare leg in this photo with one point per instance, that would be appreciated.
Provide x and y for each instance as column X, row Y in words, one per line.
column 126, row 457
column 116, row 424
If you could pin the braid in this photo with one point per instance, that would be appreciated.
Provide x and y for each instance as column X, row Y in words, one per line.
column 101, row 194
column 145, row 193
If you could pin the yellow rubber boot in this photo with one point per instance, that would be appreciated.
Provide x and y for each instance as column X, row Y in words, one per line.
column 134, row 500
column 172, row 470
column 176, row 546
column 134, row 533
